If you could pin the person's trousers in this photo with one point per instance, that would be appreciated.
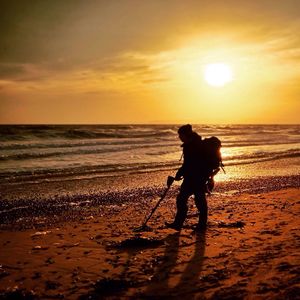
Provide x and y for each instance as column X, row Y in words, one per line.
column 187, row 189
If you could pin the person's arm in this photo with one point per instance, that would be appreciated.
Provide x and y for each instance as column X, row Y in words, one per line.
column 179, row 173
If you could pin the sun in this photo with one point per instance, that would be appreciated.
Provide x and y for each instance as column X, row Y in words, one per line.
column 218, row 74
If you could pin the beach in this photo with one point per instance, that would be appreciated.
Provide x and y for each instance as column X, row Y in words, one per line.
column 85, row 246
column 70, row 208
column 150, row 150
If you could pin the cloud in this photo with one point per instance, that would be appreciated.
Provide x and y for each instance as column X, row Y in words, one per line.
column 11, row 71
column 90, row 46
column 80, row 32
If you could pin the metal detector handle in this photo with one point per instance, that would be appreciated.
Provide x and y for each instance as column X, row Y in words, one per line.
column 170, row 180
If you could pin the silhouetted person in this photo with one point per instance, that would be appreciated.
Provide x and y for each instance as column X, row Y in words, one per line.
column 195, row 175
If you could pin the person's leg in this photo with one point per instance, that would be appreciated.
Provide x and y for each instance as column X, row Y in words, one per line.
column 201, row 203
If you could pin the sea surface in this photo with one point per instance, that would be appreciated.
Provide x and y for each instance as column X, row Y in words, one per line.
column 45, row 152
column 53, row 173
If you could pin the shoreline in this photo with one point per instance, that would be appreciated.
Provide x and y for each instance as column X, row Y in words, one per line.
column 250, row 249
column 39, row 205
column 9, row 190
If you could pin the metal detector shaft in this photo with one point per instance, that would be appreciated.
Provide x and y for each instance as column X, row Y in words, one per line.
column 156, row 206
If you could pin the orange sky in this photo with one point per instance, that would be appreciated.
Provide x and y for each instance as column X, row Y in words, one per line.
column 138, row 61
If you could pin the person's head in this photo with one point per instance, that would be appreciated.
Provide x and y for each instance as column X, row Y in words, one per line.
column 185, row 133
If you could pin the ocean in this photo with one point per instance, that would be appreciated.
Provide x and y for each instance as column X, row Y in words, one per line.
column 40, row 153
column 53, row 173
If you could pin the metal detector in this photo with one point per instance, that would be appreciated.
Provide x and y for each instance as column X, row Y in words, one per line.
column 144, row 226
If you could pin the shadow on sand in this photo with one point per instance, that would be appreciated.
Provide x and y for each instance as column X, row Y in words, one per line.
column 176, row 273
column 169, row 279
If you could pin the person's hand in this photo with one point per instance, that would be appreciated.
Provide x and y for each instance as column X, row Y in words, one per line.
column 170, row 180
column 178, row 177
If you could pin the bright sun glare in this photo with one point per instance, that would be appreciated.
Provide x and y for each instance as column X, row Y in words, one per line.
column 218, row 74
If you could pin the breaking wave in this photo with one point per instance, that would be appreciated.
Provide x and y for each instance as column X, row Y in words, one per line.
column 35, row 151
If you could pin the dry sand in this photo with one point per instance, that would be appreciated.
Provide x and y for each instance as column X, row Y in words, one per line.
column 250, row 250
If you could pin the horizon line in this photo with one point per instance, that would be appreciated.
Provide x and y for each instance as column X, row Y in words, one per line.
column 149, row 123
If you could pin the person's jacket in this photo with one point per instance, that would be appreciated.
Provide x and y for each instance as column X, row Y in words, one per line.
column 193, row 167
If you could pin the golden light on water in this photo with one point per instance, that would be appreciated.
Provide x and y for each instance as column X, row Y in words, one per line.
column 218, row 74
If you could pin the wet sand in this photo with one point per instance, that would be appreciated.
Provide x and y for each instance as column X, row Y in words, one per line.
column 85, row 246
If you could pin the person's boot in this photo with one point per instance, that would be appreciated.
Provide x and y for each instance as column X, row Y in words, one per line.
column 173, row 225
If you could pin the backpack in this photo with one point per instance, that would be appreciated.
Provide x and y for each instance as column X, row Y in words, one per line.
column 212, row 153
column 213, row 158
